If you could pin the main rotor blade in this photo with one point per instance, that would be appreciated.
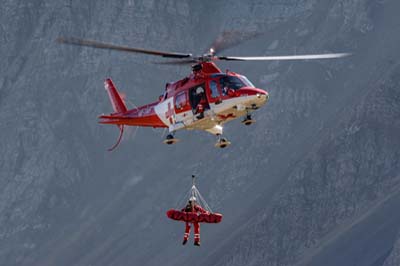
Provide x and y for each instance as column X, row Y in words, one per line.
column 283, row 57
column 100, row 45
column 177, row 62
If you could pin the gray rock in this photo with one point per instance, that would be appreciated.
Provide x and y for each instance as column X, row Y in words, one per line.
column 314, row 182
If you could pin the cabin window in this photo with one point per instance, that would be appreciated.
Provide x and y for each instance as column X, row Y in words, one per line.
column 180, row 100
column 214, row 89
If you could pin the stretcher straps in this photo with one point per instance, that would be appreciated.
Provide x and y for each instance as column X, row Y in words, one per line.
column 184, row 199
column 200, row 199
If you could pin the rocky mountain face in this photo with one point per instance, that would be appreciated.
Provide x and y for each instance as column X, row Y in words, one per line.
column 314, row 182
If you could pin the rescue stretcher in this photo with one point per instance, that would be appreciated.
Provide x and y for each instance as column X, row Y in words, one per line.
column 191, row 217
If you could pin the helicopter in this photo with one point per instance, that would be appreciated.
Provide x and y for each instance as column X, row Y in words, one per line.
column 205, row 100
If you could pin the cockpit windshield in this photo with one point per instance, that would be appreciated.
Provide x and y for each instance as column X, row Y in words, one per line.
column 235, row 82
column 247, row 82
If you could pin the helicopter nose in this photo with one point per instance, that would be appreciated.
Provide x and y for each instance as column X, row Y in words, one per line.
column 247, row 91
column 262, row 93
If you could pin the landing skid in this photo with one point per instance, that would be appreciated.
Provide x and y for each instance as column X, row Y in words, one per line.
column 248, row 120
column 170, row 139
column 222, row 143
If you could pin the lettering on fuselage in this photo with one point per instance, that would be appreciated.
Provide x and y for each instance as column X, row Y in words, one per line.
column 146, row 111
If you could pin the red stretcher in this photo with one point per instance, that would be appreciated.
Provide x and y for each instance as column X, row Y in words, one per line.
column 191, row 217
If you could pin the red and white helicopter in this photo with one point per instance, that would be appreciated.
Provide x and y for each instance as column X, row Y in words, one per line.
column 204, row 100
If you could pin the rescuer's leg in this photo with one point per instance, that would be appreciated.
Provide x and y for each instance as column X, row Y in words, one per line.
column 186, row 235
column 196, row 234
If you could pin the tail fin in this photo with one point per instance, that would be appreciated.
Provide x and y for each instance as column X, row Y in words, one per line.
column 115, row 98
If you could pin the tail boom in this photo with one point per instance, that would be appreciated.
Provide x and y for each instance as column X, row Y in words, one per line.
column 144, row 116
column 148, row 121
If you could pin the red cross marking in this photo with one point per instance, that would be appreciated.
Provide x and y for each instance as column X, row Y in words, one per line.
column 169, row 113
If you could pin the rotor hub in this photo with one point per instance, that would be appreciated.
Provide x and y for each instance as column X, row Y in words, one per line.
column 197, row 67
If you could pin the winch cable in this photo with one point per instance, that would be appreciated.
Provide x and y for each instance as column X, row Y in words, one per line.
column 193, row 192
column 183, row 199
column 200, row 199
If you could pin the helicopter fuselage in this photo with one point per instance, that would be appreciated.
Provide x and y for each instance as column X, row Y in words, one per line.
column 205, row 100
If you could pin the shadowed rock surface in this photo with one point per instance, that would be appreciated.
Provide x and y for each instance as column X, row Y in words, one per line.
column 316, row 181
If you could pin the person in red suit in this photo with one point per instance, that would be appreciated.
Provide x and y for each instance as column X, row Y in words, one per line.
column 193, row 207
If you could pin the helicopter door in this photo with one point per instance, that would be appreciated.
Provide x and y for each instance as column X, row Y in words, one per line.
column 198, row 99
column 215, row 92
